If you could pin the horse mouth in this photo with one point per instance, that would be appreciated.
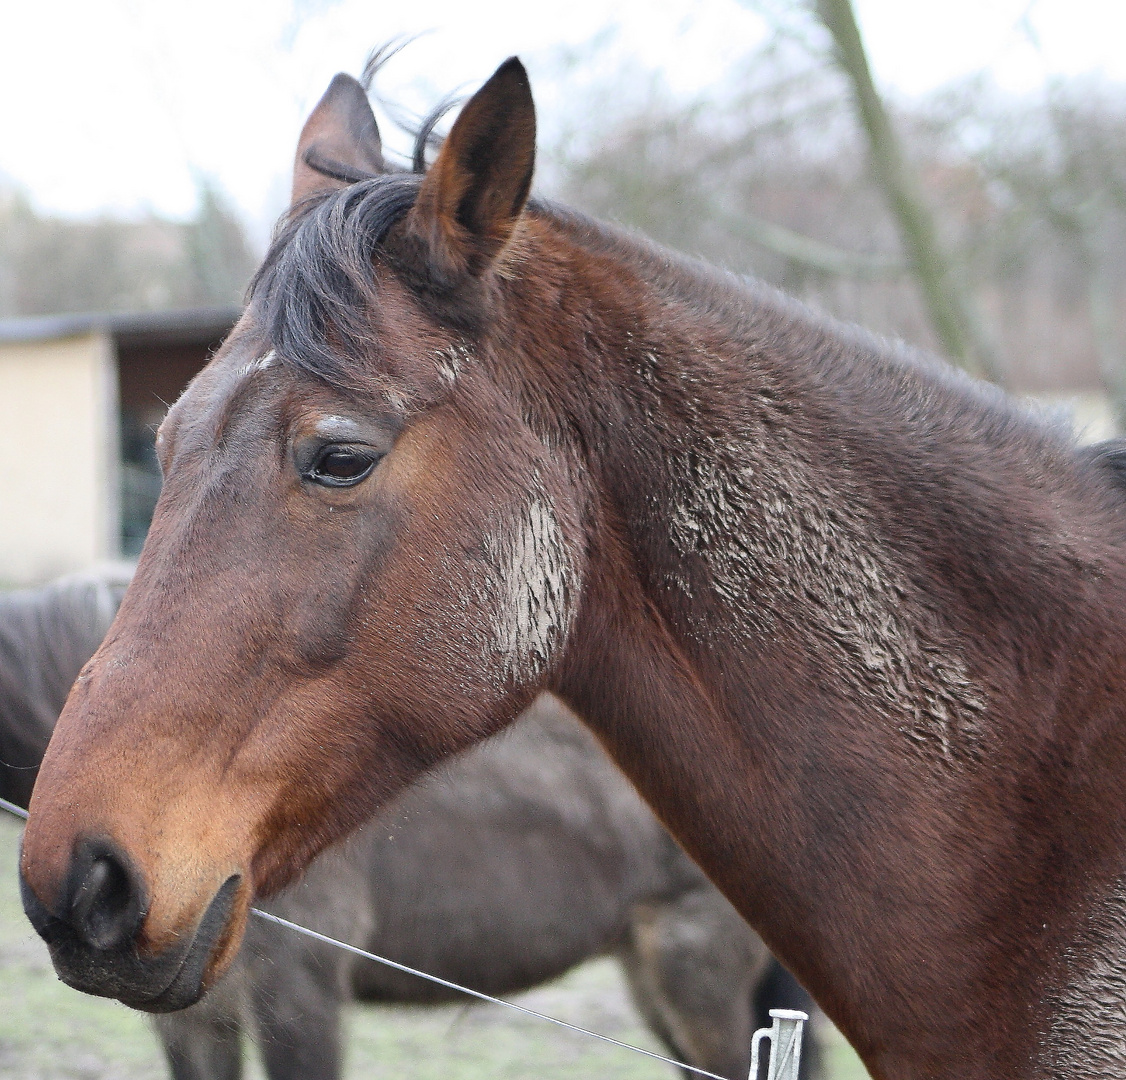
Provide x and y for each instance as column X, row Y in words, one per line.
column 173, row 980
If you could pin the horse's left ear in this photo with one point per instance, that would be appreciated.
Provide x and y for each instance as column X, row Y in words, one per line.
column 472, row 196
column 339, row 143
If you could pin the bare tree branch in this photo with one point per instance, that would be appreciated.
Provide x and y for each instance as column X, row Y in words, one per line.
column 952, row 316
column 810, row 253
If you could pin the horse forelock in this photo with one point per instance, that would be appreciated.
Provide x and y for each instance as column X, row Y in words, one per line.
column 340, row 229
column 316, row 291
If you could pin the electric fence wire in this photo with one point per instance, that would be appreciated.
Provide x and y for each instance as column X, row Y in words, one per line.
column 297, row 928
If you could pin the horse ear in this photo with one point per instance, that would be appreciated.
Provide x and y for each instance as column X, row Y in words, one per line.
column 339, row 143
column 472, row 196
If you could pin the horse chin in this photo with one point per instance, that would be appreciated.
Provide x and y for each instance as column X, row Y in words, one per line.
column 166, row 982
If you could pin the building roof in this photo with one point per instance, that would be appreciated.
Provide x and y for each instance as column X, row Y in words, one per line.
column 187, row 326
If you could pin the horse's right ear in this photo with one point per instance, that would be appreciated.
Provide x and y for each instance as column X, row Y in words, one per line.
column 339, row 143
column 472, row 196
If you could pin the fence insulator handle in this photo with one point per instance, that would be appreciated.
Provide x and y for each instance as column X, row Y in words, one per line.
column 785, row 1045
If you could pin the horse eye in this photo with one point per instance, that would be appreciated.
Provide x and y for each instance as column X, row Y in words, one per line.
column 342, row 466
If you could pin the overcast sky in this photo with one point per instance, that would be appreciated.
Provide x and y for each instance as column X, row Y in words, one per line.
column 118, row 105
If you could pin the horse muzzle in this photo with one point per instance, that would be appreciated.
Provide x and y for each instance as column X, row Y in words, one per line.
column 94, row 932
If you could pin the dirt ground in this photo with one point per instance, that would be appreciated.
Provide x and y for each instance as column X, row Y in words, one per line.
column 50, row 1032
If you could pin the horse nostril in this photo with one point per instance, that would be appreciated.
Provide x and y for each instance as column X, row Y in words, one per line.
column 106, row 908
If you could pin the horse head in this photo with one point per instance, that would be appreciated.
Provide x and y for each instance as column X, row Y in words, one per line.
column 365, row 557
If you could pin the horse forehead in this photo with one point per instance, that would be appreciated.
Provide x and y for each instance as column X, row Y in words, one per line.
column 255, row 364
column 237, row 370
column 224, row 390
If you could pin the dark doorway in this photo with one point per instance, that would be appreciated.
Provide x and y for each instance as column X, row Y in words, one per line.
column 156, row 359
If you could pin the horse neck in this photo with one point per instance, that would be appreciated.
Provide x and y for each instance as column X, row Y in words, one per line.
column 844, row 621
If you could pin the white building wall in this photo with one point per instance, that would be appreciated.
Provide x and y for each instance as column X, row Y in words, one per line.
column 59, row 488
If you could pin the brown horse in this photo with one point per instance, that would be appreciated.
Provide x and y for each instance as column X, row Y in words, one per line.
column 854, row 625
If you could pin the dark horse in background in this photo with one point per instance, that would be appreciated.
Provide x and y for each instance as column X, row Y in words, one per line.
column 523, row 858
column 854, row 625
column 46, row 635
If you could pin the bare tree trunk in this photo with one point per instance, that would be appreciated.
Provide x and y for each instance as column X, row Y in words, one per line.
column 952, row 316
column 1103, row 308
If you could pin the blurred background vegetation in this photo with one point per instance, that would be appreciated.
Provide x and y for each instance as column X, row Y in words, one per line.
column 1026, row 196
column 50, row 265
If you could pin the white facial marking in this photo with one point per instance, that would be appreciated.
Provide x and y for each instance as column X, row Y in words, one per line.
column 449, row 362
column 333, row 425
column 1086, row 1039
column 396, row 400
column 261, row 363
column 533, row 602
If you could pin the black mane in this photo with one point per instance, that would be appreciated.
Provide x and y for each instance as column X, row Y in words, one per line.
column 318, row 272
column 318, row 279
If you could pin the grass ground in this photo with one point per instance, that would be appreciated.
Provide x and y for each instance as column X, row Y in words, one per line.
column 50, row 1032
